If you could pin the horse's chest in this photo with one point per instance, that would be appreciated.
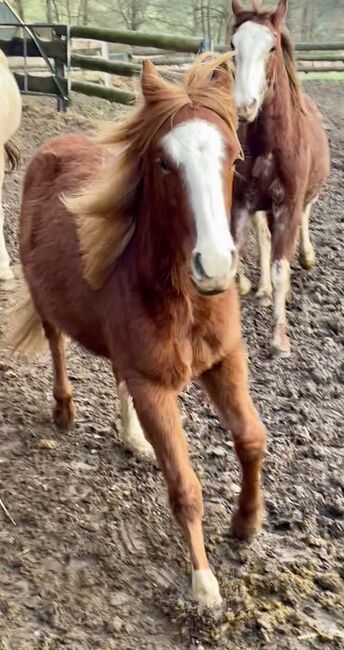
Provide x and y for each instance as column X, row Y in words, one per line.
column 263, row 179
column 258, row 185
column 206, row 350
column 174, row 361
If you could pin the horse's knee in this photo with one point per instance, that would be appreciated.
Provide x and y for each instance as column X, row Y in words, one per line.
column 250, row 445
column 185, row 497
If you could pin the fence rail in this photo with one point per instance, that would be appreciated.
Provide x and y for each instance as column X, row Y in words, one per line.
column 165, row 50
column 161, row 41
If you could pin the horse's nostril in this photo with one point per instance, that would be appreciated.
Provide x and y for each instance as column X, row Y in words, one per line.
column 252, row 104
column 198, row 265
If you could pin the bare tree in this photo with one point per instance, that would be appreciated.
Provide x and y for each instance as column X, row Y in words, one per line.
column 132, row 12
column 19, row 7
column 49, row 10
column 83, row 15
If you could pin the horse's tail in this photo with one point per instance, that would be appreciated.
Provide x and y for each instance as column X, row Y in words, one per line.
column 13, row 153
column 24, row 331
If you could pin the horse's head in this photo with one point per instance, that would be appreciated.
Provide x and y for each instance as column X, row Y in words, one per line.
column 257, row 43
column 191, row 157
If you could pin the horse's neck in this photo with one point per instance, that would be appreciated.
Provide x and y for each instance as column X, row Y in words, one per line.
column 278, row 118
column 160, row 253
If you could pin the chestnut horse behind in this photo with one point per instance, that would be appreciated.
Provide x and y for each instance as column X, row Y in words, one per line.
column 137, row 266
column 286, row 153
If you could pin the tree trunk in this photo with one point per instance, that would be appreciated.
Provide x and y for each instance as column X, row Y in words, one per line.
column 209, row 34
column 49, row 10
column 19, row 5
column 85, row 13
column 228, row 27
column 57, row 15
column 195, row 18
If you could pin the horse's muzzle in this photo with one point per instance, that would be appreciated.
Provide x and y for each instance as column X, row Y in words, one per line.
column 212, row 285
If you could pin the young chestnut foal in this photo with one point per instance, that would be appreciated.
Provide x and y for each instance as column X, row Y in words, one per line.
column 138, row 267
column 286, row 154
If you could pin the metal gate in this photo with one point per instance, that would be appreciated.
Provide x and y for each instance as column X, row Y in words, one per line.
column 48, row 43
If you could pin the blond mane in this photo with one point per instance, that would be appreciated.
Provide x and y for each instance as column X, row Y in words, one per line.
column 105, row 211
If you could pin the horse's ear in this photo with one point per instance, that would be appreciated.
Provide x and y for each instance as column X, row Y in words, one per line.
column 151, row 82
column 281, row 12
column 221, row 76
column 237, row 7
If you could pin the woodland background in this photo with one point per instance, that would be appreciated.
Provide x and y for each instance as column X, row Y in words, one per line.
column 318, row 20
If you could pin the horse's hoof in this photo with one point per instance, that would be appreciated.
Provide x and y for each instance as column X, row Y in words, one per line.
column 205, row 589
column 264, row 297
column 246, row 526
column 244, row 285
column 64, row 415
column 280, row 345
column 141, row 448
column 307, row 259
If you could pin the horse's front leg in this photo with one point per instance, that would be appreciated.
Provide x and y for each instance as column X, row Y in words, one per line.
column 227, row 386
column 307, row 255
column 239, row 226
column 158, row 413
column 264, row 293
column 6, row 272
column 286, row 220
column 132, row 433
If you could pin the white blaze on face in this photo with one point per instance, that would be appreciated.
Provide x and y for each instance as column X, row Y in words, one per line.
column 196, row 147
column 252, row 43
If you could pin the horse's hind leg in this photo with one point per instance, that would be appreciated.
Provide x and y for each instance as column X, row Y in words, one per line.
column 6, row 272
column 264, row 293
column 226, row 384
column 64, row 408
column 132, row 433
column 158, row 412
column 244, row 283
column 307, row 256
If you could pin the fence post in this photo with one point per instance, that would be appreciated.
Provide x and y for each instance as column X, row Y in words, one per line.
column 59, row 67
column 206, row 45
column 105, row 54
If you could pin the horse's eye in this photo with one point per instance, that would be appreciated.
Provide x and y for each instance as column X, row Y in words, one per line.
column 273, row 49
column 232, row 46
column 163, row 165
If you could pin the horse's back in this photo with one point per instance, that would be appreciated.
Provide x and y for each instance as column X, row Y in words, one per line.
column 49, row 245
column 63, row 165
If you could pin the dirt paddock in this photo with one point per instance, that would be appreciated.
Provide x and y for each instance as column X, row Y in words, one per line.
column 94, row 560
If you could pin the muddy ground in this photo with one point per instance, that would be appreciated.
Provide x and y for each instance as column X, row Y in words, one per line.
column 94, row 560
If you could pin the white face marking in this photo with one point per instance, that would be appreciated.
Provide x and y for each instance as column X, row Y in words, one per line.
column 252, row 43
column 197, row 149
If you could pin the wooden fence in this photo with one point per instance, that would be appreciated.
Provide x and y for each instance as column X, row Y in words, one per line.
column 312, row 57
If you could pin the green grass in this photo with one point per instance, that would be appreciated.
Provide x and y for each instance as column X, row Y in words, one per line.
column 323, row 76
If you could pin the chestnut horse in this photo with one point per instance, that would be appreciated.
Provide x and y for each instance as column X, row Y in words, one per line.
column 10, row 115
column 286, row 153
column 137, row 265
